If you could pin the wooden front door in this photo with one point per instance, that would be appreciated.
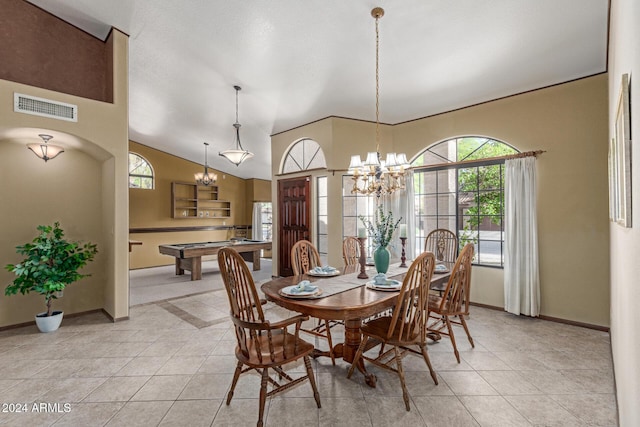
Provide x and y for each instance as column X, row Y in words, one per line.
column 294, row 217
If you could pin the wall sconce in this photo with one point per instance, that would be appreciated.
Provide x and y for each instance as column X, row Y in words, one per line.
column 45, row 150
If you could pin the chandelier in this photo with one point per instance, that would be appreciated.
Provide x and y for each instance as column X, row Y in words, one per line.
column 45, row 150
column 377, row 176
column 239, row 154
column 206, row 178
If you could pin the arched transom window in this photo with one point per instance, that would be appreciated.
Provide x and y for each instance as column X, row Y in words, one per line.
column 140, row 172
column 459, row 186
column 303, row 155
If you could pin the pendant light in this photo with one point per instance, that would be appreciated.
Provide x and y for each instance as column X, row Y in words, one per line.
column 206, row 178
column 238, row 154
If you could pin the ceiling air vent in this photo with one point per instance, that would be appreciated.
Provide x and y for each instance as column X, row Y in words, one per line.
column 44, row 107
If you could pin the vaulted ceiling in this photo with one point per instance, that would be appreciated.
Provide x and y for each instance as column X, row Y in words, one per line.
column 300, row 61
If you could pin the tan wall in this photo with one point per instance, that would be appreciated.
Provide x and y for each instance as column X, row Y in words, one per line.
column 568, row 121
column 85, row 188
column 36, row 200
column 261, row 190
column 258, row 190
column 152, row 208
column 624, row 57
column 248, row 200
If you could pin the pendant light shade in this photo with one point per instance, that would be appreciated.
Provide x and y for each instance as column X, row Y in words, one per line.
column 238, row 154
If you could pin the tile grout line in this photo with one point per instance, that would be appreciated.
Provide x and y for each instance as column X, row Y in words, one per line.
column 188, row 317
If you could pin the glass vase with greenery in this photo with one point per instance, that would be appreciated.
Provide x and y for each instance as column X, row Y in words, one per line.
column 380, row 232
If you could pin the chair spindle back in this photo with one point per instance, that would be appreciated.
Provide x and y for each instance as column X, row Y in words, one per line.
column 304, row 257
column 410, row 313
column 444, row 245
column 246, row 309
column 456, row 295
column 351, row 251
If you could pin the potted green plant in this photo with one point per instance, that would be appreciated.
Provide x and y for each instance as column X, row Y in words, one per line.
column 380, row 232
column 51, row 263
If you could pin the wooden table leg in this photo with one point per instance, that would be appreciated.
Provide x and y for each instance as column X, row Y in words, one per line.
column 196, row 268
column 256, row 260
column 194, row 265
column 352, row 339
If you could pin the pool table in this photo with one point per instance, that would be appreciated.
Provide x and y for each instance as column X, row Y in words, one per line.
column 189, row 255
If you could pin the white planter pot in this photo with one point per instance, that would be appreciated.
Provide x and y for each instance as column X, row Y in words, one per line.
column 49, row 323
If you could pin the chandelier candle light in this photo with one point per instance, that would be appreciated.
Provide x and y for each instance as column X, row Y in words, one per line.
column 206, row 178
column 377, row 176
column 237, row 155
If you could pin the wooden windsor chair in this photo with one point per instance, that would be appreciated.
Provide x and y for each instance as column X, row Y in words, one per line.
column 261, row 345
column 444, row 245
column 454, row 301
column 351, row 251
column 304, row 257
column 406, row 326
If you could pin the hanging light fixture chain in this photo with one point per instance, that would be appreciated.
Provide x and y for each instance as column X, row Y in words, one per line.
column 375, row 176
column 237, row 123
column 237, row 88
column 377, row 16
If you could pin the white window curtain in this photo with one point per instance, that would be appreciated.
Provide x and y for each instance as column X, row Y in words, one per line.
column 410, row 217
column 401, row 203
column 256, row 223
column 521, row 275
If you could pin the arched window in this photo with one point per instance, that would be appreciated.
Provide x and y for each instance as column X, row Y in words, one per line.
column 304, row 154
column 140, row 172
column 459, row 186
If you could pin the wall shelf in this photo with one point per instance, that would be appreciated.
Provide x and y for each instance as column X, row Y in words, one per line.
column 197, row 201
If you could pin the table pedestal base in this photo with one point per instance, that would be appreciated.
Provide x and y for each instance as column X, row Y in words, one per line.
column 348, row 350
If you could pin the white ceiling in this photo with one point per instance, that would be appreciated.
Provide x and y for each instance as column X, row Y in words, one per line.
column 300, row 61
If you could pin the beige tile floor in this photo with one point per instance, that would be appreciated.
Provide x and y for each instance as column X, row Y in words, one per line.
column 158, row 283
column 171, row 365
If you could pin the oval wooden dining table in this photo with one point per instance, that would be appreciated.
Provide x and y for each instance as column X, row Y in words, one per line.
column 350, row 306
